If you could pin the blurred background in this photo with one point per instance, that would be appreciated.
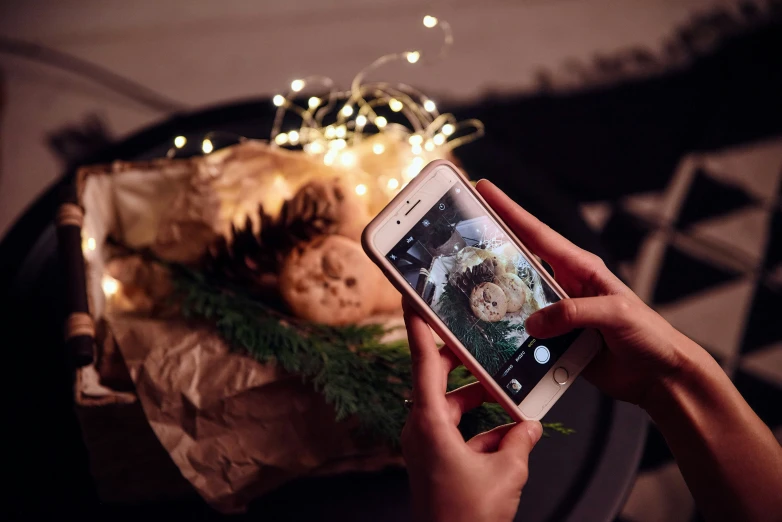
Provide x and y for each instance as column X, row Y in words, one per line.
column 658, row 121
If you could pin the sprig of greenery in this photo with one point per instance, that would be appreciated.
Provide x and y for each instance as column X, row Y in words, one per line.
column 361, row 376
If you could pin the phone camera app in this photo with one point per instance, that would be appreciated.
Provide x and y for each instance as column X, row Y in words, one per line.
column 514, row 386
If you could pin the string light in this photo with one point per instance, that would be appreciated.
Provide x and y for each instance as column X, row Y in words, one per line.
column 381, row 122
column 341, row 131
column 315, row 147
column 361, row 189
column 346, row 111
column 297, row 85
column 330, row 156
column 416, row 149
column 378, row 148
column 180, row 142
column 418, row 163
column 413, row 56
column 429, row 106
column 313, row 102
column 429, row 146
column 91, row 244
column 438, row 139
column 430, row 21
column 395, row 105
column 207, row 146
column 416, row 139
column 348, row 159
column 293, row 137
column 338, row 144
column 393, row 183
column 361, row 120
column 110, row 285
column 278, row 100
column 448, row 129
column 281, row 139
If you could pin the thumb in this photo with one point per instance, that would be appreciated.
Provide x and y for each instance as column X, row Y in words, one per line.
column 602, row 312
column 520, row 439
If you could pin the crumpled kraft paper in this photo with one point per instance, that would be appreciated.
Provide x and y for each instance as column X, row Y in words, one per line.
column 235, row 428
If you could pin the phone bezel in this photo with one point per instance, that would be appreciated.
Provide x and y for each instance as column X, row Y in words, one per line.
column 399, row 217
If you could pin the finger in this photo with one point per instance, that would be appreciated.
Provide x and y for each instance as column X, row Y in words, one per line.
column 466, row 398
column 450, row 360
column 489, row 441
column 539, row 237
column 429, row 382
column 520, row 439
column 604, row 313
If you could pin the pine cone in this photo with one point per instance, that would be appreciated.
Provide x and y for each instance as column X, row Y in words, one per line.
column 472, row 277
column 311, row 212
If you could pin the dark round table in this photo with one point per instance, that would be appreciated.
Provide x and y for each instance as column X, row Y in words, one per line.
column 585, row 476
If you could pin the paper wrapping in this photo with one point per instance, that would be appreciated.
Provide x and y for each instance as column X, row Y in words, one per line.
column 235, row 428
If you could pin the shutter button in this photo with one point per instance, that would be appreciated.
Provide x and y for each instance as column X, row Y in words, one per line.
column 561, row 375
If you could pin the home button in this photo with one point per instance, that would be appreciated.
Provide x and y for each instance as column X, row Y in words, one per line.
column 561, row 375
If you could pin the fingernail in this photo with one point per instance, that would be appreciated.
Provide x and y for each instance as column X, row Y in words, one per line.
column 535, row 430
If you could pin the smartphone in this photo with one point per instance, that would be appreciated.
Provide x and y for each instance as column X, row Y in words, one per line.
column 475, row 284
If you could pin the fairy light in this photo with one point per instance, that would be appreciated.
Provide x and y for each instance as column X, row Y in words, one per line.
column 416, row 149
column 338, row 144
column 381, row 122
column 207, row 146
column 438, row 139
column 393, row 183
column 348, row 159
column 278, row 100
column 418, row 163
column 315, row 147
column 361, row 189
column 429, row 106
column 347, row 111
column 416, row 139
column 448, row 129
column 330, row 156
column 341, row 131
column 429, row 146
column 313, row 102
column 395, row 105
column 91, row 244
column 110, row 285
column 330, row 132
column 361, row 120
column 413, row 56
column 293, row 137
column 430, row 21
column 378, row 148
column 281, row 138
column 180, row 141
column 297, row 85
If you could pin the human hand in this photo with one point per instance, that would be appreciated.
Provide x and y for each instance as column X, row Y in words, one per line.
column 644, row 350
column 450, row 479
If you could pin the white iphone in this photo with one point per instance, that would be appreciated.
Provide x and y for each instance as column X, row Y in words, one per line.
column 475, row 284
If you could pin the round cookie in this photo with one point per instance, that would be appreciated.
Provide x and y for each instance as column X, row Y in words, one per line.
column 488, row 302
column 329, row 280
column 515, row 290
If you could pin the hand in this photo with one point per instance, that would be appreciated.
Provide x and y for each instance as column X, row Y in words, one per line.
column 450, row 479
column 644, row 350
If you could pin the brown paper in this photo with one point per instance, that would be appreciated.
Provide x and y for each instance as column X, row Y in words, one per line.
column 235, row 428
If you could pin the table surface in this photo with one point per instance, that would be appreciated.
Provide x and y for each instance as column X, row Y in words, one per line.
column 584, row 476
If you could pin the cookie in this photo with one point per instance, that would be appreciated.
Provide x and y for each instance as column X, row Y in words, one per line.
column 516, row 292
column 329, row 280
column 488, row 302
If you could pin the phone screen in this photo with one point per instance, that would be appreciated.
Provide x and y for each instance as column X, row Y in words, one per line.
column 472, row 275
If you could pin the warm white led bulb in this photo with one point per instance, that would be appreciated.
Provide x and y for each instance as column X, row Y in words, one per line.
column 348, row 159
column 91, row 243
column 413, row 56
column 438, row 139
column 393, row 183
column 361, row 189
column 110, row 285
column 429, row 146
column 180, row 142
column 281, row 139
column 278, row 100
column 430, row 21
column 293, row 136
column 313, row 102
column 418, row 162
column 448, row 129
column 416, row 149
column 297, row 85
column 430, row 106
column 338, row 144
column 330, row 132
column 415, row 139
column 315, row 148
column 395, row 105
column 381, row 122
column 341, row 131
column 346, row 111
column 207, row 146
column 328, row 159
column 361, row 120
column 378, row 148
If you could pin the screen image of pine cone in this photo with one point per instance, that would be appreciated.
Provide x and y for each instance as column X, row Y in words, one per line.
column 330, row 280
column 475, row 275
